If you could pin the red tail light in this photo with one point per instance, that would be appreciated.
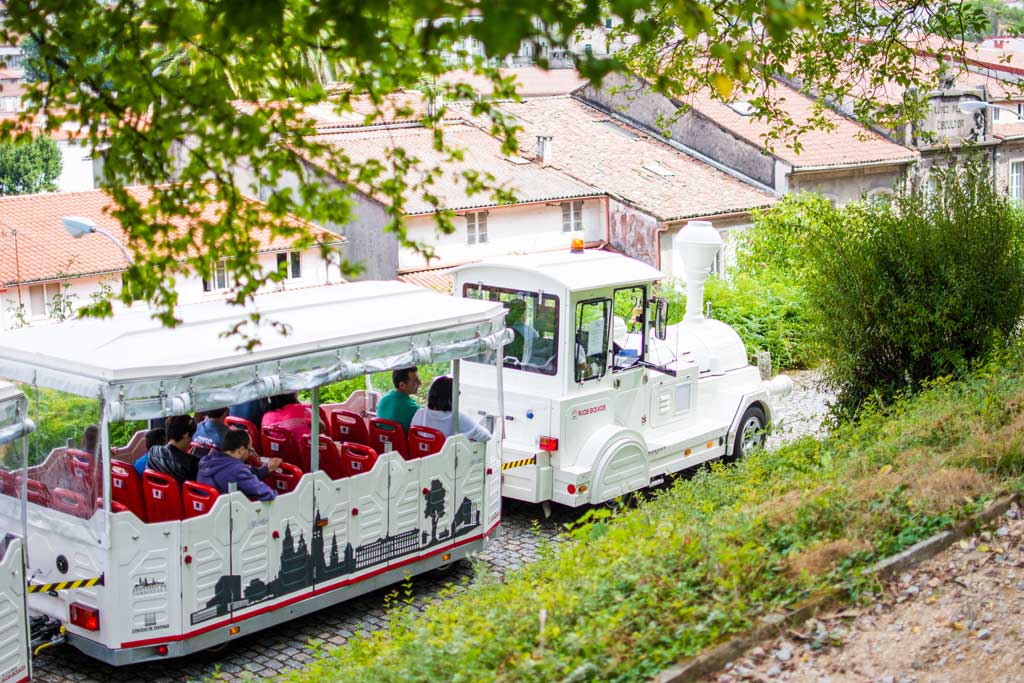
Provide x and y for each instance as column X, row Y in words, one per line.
column 548, row 443
column 84, row 617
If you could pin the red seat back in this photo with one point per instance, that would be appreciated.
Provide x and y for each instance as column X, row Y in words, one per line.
column 357, row 458
column 349, row 426
column 246, row 425
column 81, row 471
column 71, row 502
column 324, row 423
column 162, row 496
column 384, row 432
column 200, row 450
column 7, row 483
column 197, row 499
column 126, row 488
column 424, row 441
column 38, row 493
column 330, row 457
column 282, row 440
column 285, row 479
column 114, row 506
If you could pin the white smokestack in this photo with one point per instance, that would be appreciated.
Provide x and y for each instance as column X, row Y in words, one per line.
column 697, row 243
column 545, row 149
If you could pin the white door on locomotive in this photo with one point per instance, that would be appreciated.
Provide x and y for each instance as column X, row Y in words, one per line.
column 139, row 569
column 602, row 397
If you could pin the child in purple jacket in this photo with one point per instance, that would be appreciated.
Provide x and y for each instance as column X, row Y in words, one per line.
column 222, row 467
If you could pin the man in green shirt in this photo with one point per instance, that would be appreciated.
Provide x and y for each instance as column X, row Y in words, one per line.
column 398, row 404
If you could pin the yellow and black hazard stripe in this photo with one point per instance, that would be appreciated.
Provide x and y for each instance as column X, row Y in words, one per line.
column 65, row 585
column 518, row 463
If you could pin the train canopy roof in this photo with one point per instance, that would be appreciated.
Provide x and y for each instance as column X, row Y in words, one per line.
column 590, row 269
column 331, row 333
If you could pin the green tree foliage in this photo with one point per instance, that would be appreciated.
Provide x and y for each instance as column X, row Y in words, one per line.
column 778, row 240
column 918, row 287
column 999, row 19
column 155, row 85
column 28, row 166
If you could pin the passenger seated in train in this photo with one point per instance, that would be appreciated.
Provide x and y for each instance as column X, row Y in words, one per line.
column 284, row 407
column 399, row 404
column 154, row 437
column 438, row 413
column 90, row 439
column 173, row 458
column 225, row 466
column 210, row 432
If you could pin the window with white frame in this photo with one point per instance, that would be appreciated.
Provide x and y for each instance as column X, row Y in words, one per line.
column 1017, row 181
column 289, row 263
column 476, row 227
column 220, row 278
column 572, row 216
column 41, row 298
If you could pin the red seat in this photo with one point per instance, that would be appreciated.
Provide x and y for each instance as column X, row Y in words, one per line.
column 126, row 488
column 384, row 432
column 162, row 496
column 7, row 483
column 197, row 498
column 246, row 425
column 282, row 440
column 200, row 450
column 349, row 426
column 82, row 471
column 357, row 458
column 114, row 506
column 424, row 441
column 324, row 424
column 38, row 493
column 71, row 502
column 285, row 479
column 330, row 457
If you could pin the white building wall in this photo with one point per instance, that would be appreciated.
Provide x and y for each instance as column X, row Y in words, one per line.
column 76, row 174
column 515, row 229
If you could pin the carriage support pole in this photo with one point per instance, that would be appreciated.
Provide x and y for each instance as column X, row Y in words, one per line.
column 314, row 430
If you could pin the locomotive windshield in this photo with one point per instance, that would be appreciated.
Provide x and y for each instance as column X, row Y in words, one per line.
column 533, row 319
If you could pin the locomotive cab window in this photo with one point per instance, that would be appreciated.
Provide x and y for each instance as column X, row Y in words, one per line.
column 592, row 321
column 533, row 319
column 628, row 339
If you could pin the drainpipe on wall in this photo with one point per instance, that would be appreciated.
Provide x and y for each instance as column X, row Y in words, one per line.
column 607, row 220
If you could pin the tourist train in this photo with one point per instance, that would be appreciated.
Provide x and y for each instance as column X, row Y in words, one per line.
column 130, row 569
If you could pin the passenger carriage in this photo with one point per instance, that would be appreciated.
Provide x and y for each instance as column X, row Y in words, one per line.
column 15, row 426
column 601, row 396
column 138, row 569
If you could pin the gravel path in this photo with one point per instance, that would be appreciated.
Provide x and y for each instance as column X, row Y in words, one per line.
column 523, row 530
column 954, row 619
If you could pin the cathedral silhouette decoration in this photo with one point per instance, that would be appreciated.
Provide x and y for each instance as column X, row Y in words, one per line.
column 302, row 566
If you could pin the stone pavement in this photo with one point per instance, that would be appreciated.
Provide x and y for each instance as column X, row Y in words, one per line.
column 524, row 530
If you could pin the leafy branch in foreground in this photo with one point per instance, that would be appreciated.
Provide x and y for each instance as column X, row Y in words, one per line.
column 207, row 101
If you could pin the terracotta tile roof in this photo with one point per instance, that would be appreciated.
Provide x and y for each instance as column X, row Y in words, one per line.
column 1009, row 131
column 482, row 153
column 531, row 81
column 845, row 144
column 624, row 161
column 45, row 251
column 399, row 107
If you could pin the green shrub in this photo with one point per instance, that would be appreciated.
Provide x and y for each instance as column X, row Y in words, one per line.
column 915, row 288
column 778, row 240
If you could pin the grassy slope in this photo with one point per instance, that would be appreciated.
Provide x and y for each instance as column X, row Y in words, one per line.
column 705, row 558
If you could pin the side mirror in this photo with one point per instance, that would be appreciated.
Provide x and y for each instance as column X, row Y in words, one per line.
column 660, row 317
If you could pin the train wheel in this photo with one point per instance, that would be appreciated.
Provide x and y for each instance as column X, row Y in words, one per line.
column 751, row 434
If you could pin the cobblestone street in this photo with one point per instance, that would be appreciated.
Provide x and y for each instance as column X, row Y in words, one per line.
column 272, row 651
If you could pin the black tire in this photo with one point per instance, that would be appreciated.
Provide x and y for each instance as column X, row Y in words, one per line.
column 751, row 433
column 449, row 568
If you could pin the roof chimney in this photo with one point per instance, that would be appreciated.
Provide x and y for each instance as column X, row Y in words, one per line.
column 545, row 149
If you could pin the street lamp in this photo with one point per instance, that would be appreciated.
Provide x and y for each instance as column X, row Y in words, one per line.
column 77, row 226
column 972, row 106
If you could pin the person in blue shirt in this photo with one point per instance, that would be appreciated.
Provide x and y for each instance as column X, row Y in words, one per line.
column 154, row 438
column 252, row 411
column 211, row 431
column 225, row 466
